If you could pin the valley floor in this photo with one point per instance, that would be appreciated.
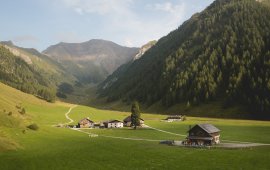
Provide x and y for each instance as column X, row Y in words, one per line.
column 63, row 148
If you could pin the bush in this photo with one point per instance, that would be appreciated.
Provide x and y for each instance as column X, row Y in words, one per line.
column 184, row 118
column 18, row 107
column 10, row 113
column 22, row 112
column 33, row 126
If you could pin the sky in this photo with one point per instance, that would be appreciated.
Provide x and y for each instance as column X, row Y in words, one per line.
column 41, row 23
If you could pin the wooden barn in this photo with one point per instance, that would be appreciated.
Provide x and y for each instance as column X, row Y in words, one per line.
column 127, row 121
column 203, row 134
column 86, row 123
column 113, row 124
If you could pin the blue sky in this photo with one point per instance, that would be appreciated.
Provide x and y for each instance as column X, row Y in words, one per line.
column 41, row 23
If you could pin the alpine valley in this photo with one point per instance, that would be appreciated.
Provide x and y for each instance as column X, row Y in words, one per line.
column 196, row 98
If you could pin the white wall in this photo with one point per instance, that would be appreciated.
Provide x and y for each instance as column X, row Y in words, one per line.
column 115, row 125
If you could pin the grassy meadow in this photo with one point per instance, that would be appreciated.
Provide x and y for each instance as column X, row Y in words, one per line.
column 62, row 148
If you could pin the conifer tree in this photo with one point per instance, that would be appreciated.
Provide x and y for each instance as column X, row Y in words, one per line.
column 135, row 115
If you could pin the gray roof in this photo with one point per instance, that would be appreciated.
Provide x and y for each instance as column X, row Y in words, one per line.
column 112, row 121
column 209, row 128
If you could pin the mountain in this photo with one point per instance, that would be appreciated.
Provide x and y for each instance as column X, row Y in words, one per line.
column 30, row 71
column 144, row 48
column 91, row 61
column 122, row 69
column 221, row 54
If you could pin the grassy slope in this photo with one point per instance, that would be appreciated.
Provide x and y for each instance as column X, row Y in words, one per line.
column 59, row 148
column 11, row 127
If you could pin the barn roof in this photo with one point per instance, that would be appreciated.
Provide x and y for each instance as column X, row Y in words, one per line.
column 112, row 121
column 86, row 119
column 174, row 117
column 208, row 128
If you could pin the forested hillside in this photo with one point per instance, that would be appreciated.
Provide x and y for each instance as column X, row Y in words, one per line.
column 122, row 69
column 222, row 53
column 38, row 76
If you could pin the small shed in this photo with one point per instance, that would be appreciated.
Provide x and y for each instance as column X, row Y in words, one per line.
column 203, row 134
column 127, row 121
column 172, row 118
column 113, row 124
column 86, row 123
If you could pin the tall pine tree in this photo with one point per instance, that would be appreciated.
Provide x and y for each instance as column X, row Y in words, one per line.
column 135, row 114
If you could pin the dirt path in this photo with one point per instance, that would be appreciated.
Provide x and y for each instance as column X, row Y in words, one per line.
column 229, row 144
column 163, row 131
column 241, row 145
column 115, row 137
column 67, row 117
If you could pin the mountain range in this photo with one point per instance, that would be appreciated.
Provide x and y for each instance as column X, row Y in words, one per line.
column 221, row 54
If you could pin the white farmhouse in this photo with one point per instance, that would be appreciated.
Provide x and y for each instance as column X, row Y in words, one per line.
column 113, row 124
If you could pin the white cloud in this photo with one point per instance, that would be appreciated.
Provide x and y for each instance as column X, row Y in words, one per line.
column 128, row 42
column 25, row 39
column 122, row 19
column 101, row 7
column 167, row 7
column 79, row 11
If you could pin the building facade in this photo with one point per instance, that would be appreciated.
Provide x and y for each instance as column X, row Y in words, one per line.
column 203, row 134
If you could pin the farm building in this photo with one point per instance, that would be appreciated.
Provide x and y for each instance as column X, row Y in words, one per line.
column 203, row 134
column 99, row 125
column 86, row 123
column 127, row 121
column 172, row 118
column 113, row 124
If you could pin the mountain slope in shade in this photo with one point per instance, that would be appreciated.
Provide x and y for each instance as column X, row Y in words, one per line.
column 30, row 71
column 121, row 70
column 91, row 61
column 222, row 53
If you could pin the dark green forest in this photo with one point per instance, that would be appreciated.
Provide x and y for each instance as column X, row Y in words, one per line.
column 222, row 53
column 17, row 73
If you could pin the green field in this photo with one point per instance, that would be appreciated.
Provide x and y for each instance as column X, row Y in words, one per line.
column 63, row 148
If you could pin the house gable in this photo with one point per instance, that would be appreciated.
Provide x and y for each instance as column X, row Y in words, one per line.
column 198, row 131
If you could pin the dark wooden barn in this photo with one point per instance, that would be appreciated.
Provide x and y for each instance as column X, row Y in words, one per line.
column 203, row 134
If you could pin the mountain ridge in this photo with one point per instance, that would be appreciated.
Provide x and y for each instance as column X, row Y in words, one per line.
column 103, row 56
